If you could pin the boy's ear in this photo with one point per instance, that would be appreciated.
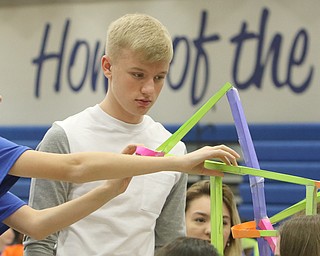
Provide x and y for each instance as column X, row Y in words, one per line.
column 106, row 66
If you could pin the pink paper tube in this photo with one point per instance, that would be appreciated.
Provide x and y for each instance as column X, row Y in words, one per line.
column 143, row 151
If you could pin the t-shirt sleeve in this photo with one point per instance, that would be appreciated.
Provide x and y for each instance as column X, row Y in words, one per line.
column 9, row 204
column 9, row 153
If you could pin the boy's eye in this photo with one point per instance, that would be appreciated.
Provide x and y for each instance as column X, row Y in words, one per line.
column 137, row 75
column 159, row 77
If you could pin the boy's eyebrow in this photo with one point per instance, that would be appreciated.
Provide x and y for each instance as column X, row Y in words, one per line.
column 142, row 70
column 137, row 68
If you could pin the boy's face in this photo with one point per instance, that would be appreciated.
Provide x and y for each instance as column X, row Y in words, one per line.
column 134, row 85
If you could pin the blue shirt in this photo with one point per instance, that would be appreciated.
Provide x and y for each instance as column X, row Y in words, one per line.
column 9, row 203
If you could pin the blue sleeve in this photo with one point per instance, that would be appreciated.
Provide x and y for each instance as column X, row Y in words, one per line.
column 9, row 204
column 9, row 153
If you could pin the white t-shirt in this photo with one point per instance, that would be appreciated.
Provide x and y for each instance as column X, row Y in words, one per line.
column 125, row 225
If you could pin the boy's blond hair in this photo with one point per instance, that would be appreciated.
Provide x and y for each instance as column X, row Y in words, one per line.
column 142, row 34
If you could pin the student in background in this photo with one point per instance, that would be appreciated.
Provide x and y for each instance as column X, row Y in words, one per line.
column 187, row 246
column 299, row 236
column 198, row 218
column 5, row 239
column 15, row 248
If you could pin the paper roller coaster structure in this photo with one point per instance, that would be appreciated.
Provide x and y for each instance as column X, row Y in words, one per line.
column 262, row 227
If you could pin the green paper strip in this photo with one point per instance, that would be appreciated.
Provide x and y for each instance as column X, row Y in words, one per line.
column 216, row 213
column 310, row 203
column 311, row 200
column 243, row 170
column 298, row 207
column 193, row 120
column 268, row 233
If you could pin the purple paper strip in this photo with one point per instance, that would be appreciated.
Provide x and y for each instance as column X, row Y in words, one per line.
column 251, row 160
